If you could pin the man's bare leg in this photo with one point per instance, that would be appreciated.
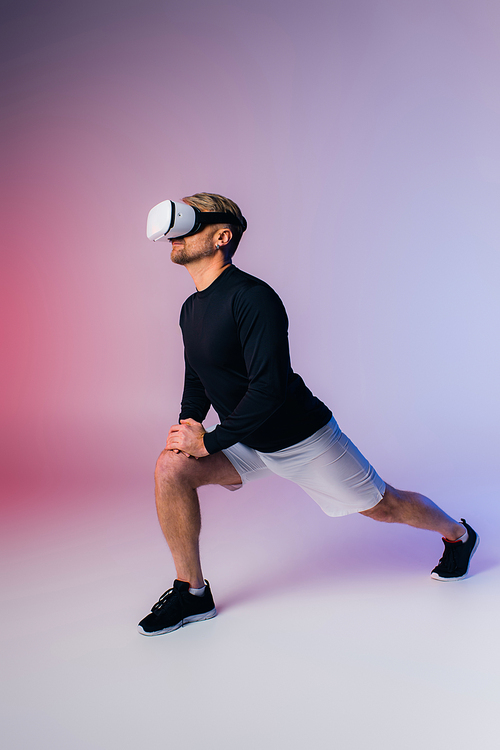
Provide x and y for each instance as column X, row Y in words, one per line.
column 413, row 509
column 176, row 481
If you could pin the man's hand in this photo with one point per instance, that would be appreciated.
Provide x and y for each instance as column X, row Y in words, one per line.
column 187, row 438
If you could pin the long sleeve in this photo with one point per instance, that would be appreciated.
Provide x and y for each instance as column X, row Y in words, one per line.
column 262, row 326
column 194, row 403
column 235, row 336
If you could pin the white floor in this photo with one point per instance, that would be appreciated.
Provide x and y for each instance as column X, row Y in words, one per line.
column 330, row 632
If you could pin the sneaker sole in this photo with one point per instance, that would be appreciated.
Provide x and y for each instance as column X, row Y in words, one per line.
column 437, row 577
column 181, row 623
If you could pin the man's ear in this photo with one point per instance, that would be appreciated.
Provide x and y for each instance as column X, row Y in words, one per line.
column 224, row 237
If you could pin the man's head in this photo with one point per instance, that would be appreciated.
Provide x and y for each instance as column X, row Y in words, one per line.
column 217, row 203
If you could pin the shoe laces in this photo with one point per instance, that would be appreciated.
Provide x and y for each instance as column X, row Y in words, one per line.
column 448, row 561
column 165, row 599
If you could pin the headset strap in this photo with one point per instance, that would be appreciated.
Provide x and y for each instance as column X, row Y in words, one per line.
column 215, row 217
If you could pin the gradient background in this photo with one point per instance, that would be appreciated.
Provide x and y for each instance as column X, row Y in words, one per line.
column 361, row 140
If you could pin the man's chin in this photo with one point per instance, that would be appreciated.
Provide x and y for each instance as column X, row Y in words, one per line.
column 178, row 258
column 181, row 259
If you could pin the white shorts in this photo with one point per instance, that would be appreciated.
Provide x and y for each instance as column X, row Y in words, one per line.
column 327, row 466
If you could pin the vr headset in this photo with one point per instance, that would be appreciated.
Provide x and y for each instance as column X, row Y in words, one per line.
column 171, row 219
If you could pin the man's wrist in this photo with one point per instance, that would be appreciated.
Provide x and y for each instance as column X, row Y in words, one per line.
column 203, row 443
column 211, row 443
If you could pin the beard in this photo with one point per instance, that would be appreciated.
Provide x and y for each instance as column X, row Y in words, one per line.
column 179, row 256
column 182, row 257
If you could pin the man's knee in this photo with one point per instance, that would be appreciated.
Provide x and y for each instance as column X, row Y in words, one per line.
column 387, row 509
column 173, row 468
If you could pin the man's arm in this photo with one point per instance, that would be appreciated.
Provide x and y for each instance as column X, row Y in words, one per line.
column 195, row 402
column 263, row 332
column 187, row 436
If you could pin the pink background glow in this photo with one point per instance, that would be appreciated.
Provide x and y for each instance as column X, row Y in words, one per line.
column 361, row 140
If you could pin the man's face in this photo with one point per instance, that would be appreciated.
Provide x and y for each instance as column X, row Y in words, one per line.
column 189, row 249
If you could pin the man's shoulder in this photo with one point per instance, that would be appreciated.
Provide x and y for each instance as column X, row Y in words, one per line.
column 238, row 289
column 243, row 282
column 256, row 298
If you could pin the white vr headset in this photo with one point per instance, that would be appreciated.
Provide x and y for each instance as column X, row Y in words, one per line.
column 171, row 219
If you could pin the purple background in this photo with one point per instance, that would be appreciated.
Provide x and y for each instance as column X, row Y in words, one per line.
column 361, row 140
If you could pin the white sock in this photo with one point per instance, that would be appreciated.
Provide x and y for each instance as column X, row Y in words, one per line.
column 464, row 537
column 197, row 592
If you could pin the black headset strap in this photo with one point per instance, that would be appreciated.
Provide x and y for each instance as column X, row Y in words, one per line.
column 215, row 217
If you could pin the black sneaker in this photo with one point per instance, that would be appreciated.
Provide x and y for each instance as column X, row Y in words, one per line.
column 454, row 564
column 176, row 607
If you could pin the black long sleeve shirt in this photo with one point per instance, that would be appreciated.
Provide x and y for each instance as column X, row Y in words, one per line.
column 237, row 359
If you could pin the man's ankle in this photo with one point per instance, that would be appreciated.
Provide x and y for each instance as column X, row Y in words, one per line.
column 195, row 582
column 458, row 532
column 199, row 591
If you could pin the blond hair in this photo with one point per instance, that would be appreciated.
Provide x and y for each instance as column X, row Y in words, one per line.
column 214, row 202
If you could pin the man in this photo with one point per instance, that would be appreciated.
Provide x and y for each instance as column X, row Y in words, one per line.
column 235, row 332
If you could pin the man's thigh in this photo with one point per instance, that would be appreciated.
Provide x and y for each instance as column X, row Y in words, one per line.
column 213, row 469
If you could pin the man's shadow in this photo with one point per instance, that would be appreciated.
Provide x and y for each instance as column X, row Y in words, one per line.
column 315, row 552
